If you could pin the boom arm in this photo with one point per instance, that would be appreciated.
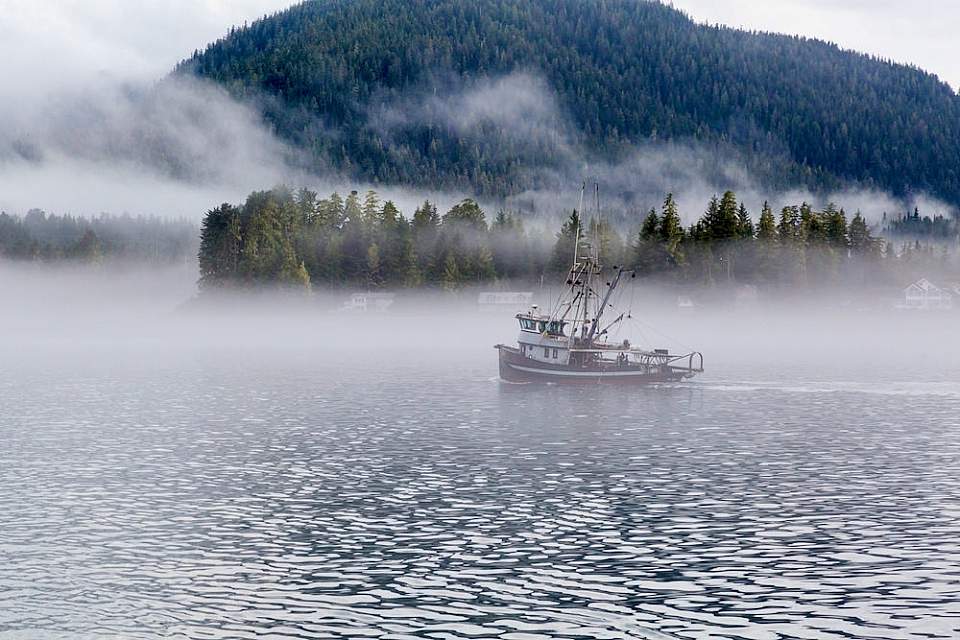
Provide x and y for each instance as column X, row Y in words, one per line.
column 603, row 305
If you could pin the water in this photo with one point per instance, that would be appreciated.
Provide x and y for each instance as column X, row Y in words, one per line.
column 240, row 490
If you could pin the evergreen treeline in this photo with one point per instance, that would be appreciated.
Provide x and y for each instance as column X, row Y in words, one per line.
column 913, row 225
column 625, row 71
column 49, row 237
column 287, row 238
column 297, row 239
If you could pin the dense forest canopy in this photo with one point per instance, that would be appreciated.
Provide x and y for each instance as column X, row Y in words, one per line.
column 297, row 240
column 346, row 79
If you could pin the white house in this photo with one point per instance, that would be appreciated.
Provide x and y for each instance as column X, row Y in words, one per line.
column 923, row 294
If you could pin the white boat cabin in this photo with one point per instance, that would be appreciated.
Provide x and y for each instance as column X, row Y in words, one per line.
column 543, row 338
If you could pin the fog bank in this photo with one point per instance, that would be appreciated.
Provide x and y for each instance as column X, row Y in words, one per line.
column 149, row 316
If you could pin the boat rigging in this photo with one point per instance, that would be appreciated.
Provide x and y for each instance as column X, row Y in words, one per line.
column 569, row 343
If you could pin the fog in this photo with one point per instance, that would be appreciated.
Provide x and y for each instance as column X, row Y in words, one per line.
column 526, row 113
column 89, row 127
column 177, row 147
column 153, row 316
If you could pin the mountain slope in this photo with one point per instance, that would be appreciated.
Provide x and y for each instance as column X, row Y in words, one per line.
column 380, row 88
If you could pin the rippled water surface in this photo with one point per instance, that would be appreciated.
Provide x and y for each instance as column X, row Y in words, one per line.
column 238, row 493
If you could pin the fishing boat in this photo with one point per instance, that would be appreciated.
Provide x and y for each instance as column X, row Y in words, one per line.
column 570, row 342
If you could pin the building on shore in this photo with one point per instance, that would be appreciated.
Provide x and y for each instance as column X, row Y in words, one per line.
column 923, row 295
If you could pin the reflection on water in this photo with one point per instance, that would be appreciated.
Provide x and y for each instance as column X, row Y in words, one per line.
column 225, row 497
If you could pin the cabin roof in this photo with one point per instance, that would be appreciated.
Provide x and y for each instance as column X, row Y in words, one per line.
column 923, row 285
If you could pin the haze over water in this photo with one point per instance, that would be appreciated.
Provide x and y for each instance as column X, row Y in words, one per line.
column 307, row 474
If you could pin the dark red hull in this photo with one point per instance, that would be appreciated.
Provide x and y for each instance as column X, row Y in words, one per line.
column 515, row 367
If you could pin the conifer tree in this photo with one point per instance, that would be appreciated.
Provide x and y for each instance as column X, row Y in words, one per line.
column 352, row 211
column 332, row 211
column 308, row 205
column 219, row 256
column 374, row 275
column 650, row 230
column 563, row 249
column 836, row 226
column 412, row 276
column 788, row 228
column 710, row 221
column 727, row 223
column 425, row 218
column 389, row 215
column 671, row 227
column 467, row 214
column 861, row 242
column 767, row 228
column 671, row 231
column 451, row 273
column 744, row 223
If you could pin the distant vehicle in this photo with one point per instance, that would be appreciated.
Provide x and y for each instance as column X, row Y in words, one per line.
column 570, row 342
column 364, row 302
column 923, row 295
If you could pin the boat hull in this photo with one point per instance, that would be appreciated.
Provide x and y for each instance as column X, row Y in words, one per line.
column 515, row 367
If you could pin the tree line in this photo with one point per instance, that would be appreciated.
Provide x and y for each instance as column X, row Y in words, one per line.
column 297, row 239
column 914, row 225
column 44, row 237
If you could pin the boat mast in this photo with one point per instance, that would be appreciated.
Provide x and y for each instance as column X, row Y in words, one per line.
column 596, row 267
column 576, row 242
column 583, row 273
column 603, row 306
column 591, row 269
column 578, row 276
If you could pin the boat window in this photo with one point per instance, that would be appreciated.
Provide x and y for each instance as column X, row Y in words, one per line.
column 556, row 354
column 546, row 352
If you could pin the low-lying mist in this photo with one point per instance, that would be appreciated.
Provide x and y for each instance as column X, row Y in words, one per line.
column 151, row 318
column 522, row 113
column 180, row 146
column 171, row 148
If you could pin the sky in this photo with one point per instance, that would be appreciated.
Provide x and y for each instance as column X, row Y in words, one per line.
column 50, row 44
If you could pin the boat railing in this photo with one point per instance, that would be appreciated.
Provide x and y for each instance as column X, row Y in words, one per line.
column 698, row 357
column 660, row 358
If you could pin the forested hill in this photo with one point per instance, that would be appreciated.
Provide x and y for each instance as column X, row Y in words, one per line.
column 393, row 91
